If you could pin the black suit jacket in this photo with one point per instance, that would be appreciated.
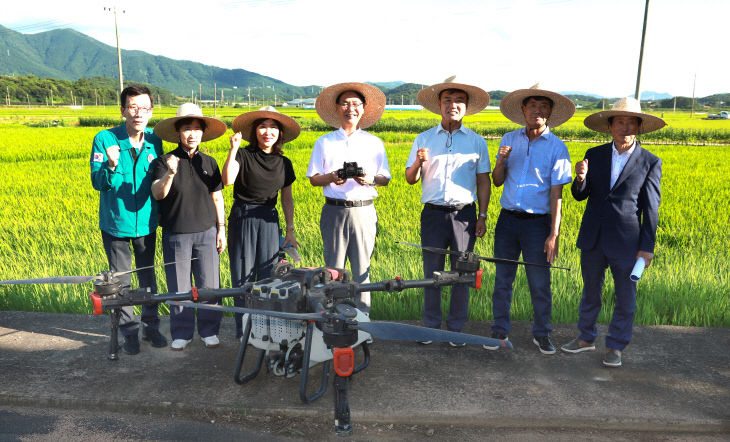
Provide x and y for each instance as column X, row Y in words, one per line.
column 621, row 220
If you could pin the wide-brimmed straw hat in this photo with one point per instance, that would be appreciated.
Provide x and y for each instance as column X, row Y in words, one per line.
column 511, row 105
column 478, row 98
column 242, row 123
column 214, row 127
column 624, row 107
column 326, row 104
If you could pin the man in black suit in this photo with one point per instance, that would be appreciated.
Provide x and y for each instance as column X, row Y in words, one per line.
column 622, row 183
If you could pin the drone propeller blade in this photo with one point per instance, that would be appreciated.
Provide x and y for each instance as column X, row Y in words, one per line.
column 150, row 267
column 53, row 280
column 484, row 258
column 394, row 331
column 223, row 308
column 511, row 261
column 432, row 249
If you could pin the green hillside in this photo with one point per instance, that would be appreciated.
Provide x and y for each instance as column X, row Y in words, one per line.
column 69, row 55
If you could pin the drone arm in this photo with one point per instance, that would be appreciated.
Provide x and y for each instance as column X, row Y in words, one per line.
column 440, row 279
column 140, row 297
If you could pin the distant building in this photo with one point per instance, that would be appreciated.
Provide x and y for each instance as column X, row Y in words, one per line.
column 304, row 103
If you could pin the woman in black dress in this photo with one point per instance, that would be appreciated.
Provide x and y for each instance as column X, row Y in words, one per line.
column 258, row 172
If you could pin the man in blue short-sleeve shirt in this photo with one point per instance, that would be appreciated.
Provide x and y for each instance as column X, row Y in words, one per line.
column 534, row 165
column 452, row 163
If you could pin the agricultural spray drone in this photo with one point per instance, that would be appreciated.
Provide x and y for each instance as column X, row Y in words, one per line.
column 298, row 318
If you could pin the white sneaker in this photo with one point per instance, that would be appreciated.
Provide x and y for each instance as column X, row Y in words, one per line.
column 211, row 341
column 179, row 344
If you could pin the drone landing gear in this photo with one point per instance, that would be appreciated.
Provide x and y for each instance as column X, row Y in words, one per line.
column 113, row 340
column 343, row 427
column 242, row 353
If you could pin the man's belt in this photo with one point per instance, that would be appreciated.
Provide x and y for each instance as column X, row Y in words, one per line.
column 450, row 208
column 347, row 203
column 524, row 215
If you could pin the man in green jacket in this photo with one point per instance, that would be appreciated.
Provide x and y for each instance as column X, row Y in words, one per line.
column 121, row 160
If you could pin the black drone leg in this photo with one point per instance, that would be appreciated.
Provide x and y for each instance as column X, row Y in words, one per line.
column 305, row 370
column 343, row 427
column 366, row 361
column 113, row 341
column 242, row 353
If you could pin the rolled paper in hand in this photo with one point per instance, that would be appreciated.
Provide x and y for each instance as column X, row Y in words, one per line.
column 638, row 269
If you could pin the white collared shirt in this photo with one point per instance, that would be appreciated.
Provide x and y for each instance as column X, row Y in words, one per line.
column 333, row 149
column 449, row 177
column 618, row 161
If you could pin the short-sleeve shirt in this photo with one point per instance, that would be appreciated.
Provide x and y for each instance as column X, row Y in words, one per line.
column 332, row 150
column 531, row 169
column 261, row 175
column 188, row 207
column 449, row 177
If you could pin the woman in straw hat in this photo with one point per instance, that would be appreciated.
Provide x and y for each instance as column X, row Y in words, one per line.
column 349, row 221
column 187, row 184
column 259, row 172
column 622, row 182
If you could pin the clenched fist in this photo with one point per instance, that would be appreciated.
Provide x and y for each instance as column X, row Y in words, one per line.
column 172, row 162
column 504, row 152
column 112, row 154
column 581, row 170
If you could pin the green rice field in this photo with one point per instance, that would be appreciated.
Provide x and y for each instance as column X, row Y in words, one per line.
column 49, row 220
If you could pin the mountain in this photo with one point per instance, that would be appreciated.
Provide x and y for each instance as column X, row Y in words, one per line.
column 69, row 55
column 586, row 95
column 650, row 95
column 386, row 85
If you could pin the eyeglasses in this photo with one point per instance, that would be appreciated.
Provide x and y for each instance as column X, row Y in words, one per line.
column 345, row 105
column 139, row 110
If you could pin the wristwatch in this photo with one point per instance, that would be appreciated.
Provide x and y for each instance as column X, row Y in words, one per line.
column 483, row 215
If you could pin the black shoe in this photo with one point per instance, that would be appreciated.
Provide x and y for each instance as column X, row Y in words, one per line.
column 495, row 335
column 543, row 342
column 612, row 358
column 155, row 338
column 131, row 345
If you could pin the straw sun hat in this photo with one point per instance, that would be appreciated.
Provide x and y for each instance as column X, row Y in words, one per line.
column 374, row 103
column 242, row 123
column 511, row 105
column 624, row 107
column 214, row 127
column 429, row 96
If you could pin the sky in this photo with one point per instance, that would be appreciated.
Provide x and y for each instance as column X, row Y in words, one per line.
column 566, row 45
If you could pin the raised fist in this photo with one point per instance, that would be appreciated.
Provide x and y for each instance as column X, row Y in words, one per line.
column 581, row 170
column 172, row 162
column 504, row 152
column 112, row 154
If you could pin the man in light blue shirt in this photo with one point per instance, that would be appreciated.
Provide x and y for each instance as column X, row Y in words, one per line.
column 452, row 163
column 533, row 164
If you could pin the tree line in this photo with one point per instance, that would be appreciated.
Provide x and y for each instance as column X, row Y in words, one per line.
column 33, row 90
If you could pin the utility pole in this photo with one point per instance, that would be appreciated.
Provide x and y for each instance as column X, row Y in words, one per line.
column 249, row 99
column 675, row 104
column 51, row 97
column 641, row 53
column 215, row 94
column 200, row 95
column 692, row 112
column 119, row 51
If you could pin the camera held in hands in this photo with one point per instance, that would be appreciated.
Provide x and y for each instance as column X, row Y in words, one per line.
column 349, row 170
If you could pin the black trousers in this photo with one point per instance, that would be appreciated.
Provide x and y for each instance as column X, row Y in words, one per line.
column 119, row 255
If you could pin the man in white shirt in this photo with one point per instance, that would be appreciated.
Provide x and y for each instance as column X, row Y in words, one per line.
column 452, row 163
column 349, row 221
